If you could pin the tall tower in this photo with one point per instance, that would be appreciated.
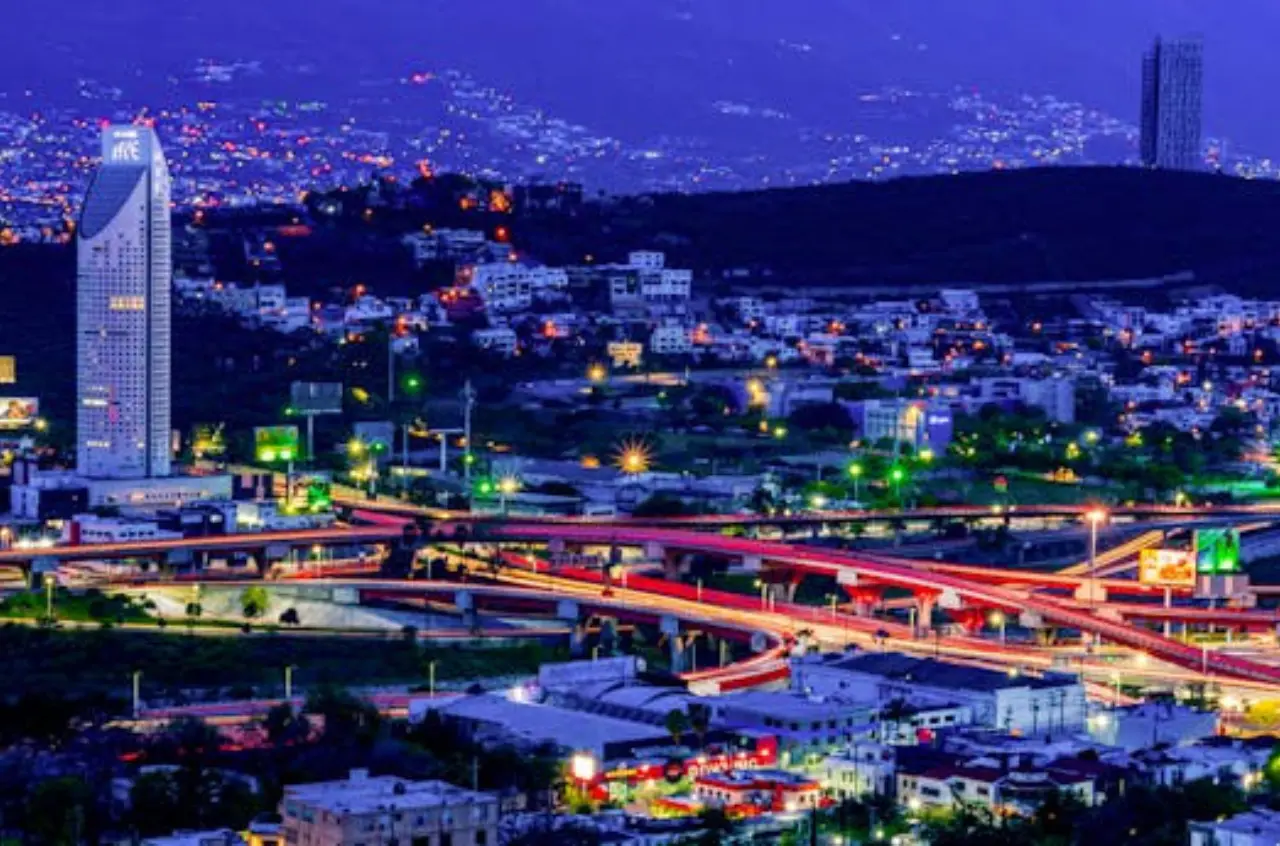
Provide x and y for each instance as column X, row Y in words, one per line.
column 123, row 311
column 1172, row 86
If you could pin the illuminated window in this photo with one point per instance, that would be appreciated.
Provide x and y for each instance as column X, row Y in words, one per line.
column 127, row 304
column 8, row 370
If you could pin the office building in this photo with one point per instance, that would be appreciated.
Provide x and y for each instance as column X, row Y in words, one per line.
column 365, row 810
column 123, row 290
column 1172, row 86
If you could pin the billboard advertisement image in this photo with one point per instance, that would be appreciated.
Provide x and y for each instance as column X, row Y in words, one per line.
column 18, row 412
column 276, row 443
column 1217, row 551
column 1166, row 567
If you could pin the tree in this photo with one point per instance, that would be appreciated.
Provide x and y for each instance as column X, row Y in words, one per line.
column 284, row 726
column 289, row 617
column 347, row 718
column 254, row 601
column 58, row 812
column 677, row 723
column 700, row 721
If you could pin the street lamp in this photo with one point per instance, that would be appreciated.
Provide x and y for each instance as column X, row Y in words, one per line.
column 507, row 486
column 1095, row 516
column 137, row 690
column 855, row 470
column 431, row 677
column 597, row 373
column 583, row 768
column 50, row 580
column 764, row 589
column 896, row 475
column 998, row 620
column 288, row 682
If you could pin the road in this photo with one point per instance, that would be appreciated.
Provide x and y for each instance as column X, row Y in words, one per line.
column 949, row 589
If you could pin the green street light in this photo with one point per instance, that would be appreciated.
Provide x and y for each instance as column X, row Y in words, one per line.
column 897, row 475
column 855, row 470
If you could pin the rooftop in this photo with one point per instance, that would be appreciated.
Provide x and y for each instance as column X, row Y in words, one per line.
column 362, row 793
column 926, row 671
column 549, row 724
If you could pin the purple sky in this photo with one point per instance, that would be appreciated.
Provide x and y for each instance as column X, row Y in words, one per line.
column 652, row 60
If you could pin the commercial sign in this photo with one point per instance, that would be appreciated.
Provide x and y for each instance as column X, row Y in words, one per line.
column 1166, row 567
column 18, row 412
column 1217, row 551
column 126, row 146
column 311, row 398
column 276, row 443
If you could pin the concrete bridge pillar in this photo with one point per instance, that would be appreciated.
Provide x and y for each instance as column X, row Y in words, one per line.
column 924, row 616
column 792, row 585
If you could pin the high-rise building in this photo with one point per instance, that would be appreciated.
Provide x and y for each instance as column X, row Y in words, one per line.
column 123, row 312
column 1172, row 85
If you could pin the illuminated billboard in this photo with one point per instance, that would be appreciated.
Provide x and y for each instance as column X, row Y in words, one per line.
column 312, row 398
column 18, row 412
column 276, row 443
column 1166, row 567
column 1217, row 551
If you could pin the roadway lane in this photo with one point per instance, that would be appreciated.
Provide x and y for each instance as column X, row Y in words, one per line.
column 1055, row 612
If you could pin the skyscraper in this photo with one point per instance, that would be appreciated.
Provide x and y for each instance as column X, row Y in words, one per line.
column 123, row 312
column 1172, row 82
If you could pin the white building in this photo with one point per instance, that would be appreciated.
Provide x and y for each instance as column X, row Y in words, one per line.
column 1260, row 827
column 670, row 339
column 503, row 287
column 123, row 311
column 500, row 339
column 1172, row 85
column 365, row 810
column 94, row 529
column 864, row 768
column 1020, row 703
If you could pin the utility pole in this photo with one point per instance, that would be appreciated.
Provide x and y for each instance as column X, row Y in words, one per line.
column 404, row 467
column 391, row 367
column 468, row 403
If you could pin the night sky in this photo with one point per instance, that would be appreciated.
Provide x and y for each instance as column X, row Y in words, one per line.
column 620, row 63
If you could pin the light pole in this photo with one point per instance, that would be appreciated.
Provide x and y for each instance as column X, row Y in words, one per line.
column 49, row 581
column 288, row 682
column 855, row 470
column 699, row 590
column 764, row 599
column 137, row 690
column 998, row 619
column 1095, row 516
column 431, row 677
column 896, row 475
column 507, row 486
column 834, row 600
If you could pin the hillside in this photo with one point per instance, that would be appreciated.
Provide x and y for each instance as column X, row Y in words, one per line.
column 1002, row 226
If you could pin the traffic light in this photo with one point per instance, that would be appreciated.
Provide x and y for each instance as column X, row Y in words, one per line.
column 411, row 383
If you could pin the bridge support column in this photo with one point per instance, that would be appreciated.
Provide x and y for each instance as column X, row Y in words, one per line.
column 924, row 615
column 792, row 585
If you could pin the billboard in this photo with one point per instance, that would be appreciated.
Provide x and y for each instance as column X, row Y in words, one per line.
column 276, row 443
column 1166, row 567
column 1217, row 551
column 18, row 412
column 315, row 398
column 376, row 436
